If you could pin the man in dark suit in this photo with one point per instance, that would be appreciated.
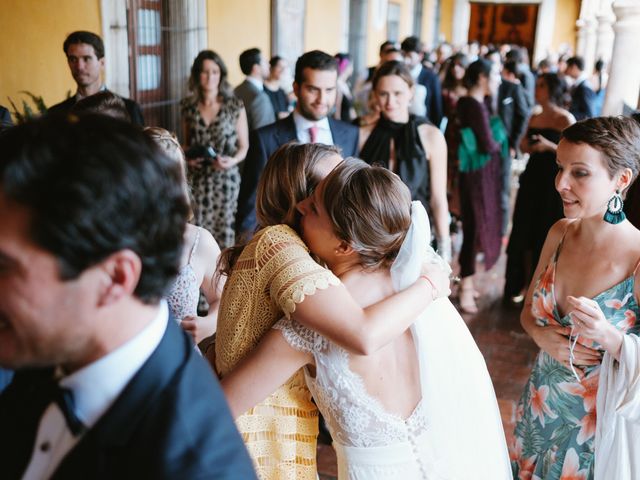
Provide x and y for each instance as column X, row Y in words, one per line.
column 106, row 385
column 314, row 84
column 514, row 112
column 583, row 98
column 527, row 79
column 412, row 49
column 256, row 102
column 85, row 56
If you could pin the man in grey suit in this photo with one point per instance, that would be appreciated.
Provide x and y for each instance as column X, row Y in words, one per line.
column 251, row 91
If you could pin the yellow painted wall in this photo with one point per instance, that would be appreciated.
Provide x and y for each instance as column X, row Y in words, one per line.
column 323, row 26
column 446, row 19
column 564, row 31
column 428, row 22
column 377, row 28
column 31, row 51
column 234, row 26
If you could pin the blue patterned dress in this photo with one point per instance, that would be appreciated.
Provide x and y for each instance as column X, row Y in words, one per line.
column 556, row 416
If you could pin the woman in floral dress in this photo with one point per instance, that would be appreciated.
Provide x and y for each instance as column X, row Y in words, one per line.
column 214, row 117
column 585, row 299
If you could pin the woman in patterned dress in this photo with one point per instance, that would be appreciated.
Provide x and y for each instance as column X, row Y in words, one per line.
column 214, row 117
column 585, row 299
column 274, row 276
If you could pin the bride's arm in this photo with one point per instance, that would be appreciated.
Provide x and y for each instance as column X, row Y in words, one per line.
column 334, row 313
column 262, row 371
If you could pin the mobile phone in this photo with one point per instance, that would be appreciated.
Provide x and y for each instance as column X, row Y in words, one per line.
column 201, row 151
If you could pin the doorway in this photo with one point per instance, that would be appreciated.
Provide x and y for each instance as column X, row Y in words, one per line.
column 498, row 23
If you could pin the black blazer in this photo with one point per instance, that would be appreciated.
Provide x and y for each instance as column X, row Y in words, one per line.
column 513, row 110
column 266, row 140
column 135, row 112
column 170, row 422
column 433, row 101
column 583, row 101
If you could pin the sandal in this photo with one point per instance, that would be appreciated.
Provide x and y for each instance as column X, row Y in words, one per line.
column 467, row 298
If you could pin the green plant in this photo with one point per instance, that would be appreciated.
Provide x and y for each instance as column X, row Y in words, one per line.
column 27, row 110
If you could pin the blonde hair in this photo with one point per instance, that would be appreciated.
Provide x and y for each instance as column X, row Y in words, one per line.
column 370, row 208
column 169, row 144
column 290, row 176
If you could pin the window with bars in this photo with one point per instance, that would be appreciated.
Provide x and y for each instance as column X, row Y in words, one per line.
column 164, row 36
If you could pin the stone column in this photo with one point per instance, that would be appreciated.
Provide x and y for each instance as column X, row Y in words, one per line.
column 587, row 23
column 461, row 19
column 624, row 77
column 604, row 31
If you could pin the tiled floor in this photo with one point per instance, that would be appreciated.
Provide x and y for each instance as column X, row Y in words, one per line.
column 508, row 351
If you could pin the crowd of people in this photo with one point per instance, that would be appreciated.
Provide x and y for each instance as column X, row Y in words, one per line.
column 138, row 269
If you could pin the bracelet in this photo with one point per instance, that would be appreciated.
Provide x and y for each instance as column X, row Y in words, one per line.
column 434, row 290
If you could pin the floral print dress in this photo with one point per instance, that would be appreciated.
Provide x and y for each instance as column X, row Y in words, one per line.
column 556, row 416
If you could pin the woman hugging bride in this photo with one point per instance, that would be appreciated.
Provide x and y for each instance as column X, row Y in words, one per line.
column 422, row 406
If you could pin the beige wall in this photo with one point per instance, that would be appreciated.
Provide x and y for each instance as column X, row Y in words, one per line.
column 323, row 26
column 377, row 28
column 31, row 52
column 446, row 19
column 567, row 13
column 236, row 26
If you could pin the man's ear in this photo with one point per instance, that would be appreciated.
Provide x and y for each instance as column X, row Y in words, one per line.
column 296, row 89
column 121, row 274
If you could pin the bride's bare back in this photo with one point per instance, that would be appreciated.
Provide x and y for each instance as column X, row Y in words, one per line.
column 390, row 375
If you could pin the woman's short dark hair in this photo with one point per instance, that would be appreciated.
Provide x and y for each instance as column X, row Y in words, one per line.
column 481, row 67
column 392, row 67
column 224, row 88
column 556, row 87
column 274, row 61
column 616, row 138
column 94, row 186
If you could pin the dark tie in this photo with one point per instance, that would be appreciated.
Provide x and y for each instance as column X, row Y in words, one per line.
column 63, row 397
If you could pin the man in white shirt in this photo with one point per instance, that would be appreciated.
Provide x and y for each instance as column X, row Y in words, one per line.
column 106, row 385
column 315, row 84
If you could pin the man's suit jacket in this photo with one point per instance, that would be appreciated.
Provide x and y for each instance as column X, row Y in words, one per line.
column 583, row 101
column 5, row 118
column 257, row 104
column 135, row 112
column 266, row 140
column 434, row 95
column 170, row 422
column 513, row 110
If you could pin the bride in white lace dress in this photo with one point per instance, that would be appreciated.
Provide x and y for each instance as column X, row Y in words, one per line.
column 423, row 406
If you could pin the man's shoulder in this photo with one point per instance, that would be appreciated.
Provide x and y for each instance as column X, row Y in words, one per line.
column 343, row 126
column 282, row 125
column 246, row 90
column 63, row 106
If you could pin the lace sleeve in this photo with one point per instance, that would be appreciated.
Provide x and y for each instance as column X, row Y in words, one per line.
column 291, row 273
column 300, row 337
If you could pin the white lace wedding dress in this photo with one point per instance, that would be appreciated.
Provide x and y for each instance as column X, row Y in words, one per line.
column 454, row 433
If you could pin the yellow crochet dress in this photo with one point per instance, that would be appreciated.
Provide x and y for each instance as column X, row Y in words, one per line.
column 272, row 274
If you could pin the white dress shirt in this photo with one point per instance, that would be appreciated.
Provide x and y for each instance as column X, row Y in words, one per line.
column 418, row 106
column 95, row 388
column 303, row 125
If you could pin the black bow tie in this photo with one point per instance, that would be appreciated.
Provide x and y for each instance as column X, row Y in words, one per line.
column 63, row 397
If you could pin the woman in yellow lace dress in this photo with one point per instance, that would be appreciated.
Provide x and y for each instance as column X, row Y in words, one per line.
column 274, row 276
